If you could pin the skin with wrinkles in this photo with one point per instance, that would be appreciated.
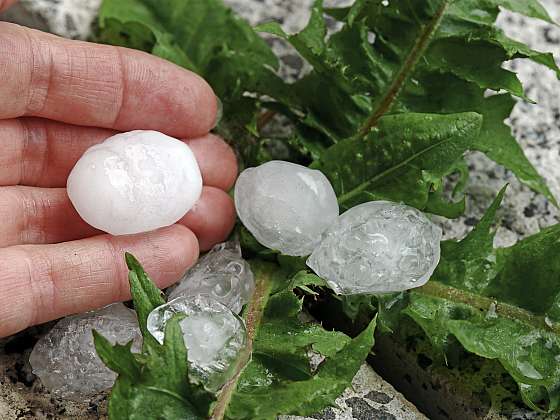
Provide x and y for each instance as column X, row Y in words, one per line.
column 59, row 98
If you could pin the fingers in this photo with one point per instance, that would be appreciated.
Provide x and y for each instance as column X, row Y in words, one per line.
column 38, row 152
column 217, row 161
column 46, row 216
column 39, row 216
column 4, row 4
column 99, row 85
column 212, row 218
column 44, row 282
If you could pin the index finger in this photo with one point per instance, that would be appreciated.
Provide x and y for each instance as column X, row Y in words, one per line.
column 99, row 85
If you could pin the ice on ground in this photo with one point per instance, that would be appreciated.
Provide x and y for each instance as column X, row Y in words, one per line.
column 378, row 247
column 65, row 358
column 213, row 336
column 221, row 274
column 286, row 207
column 135, row 182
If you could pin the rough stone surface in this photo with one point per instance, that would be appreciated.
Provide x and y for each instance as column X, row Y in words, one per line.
column 286, row 207
column 536, row 127
column 378, row 247
column 68, row 18
column 65, row 358
column 369, row 397
column 213, row 335
column 222, row 274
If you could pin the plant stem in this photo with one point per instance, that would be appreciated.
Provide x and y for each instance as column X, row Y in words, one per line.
column 442, row 291
column 265, row 118
column 385, row 103
column 253, row 318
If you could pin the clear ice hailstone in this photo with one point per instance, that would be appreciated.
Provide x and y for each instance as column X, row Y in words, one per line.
column 135, row 182
column 65, row 358
column 286, row 207
column 221, row 274
column 213, row 336
column 378, row 247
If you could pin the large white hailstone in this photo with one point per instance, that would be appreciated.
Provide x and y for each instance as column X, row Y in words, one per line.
column 378, row 247
column 286, row 207
column 212, row 333
column 135, row 182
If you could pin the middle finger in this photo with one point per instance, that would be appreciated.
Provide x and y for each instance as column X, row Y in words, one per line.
column 41, row 153
column 46, row 216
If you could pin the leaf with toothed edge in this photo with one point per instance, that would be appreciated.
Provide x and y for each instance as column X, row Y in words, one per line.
column 498, row 303
column 278, row 353
column 393, row 101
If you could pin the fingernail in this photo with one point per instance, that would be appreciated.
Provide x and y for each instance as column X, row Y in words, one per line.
column 219, row 112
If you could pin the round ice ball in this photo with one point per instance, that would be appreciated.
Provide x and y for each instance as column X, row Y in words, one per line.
column 378, row 247
column 135, row 182
column 212, row 333
column 286, row 207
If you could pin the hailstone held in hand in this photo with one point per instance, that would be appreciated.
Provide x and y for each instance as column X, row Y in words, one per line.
column 212, row 333
column 135, row 182
column 378, row 247
column 286, row 207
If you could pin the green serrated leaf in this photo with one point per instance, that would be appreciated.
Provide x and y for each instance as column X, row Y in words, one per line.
column 470, row 263
column 145, row 294
column 132, row 401
column 154, row 384
column 280, row 342
column 439, row 204
column 399, row 159
column 499, row 304
column 530, row 8
column 303, row 279
column 118, row 358
column 455, row 43
column 308, row 396
column 131, row 23
column 495, row 139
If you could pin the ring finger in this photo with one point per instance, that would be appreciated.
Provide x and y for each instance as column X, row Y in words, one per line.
column 41, row 153
column 46, row 216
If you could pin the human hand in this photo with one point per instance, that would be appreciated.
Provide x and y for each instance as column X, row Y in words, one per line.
column 57, row 98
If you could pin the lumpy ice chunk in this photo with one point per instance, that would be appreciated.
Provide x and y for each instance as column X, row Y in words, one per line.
column 286, row 207
column 221, row 274
column 135, row 182
column 65, row 359
column 213, row 336
column 378, row 247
